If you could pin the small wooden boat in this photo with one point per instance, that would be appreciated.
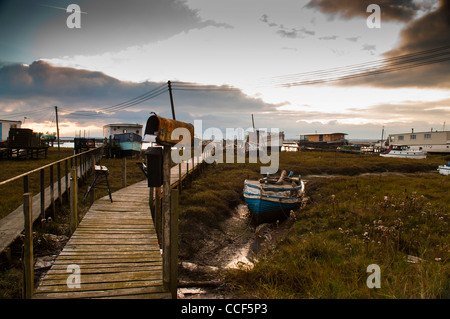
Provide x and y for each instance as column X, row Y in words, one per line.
column 444, row 169
column 403, row 152
column 271, row 199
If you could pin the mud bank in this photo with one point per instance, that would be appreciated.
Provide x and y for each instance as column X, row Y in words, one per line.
column 237, row 243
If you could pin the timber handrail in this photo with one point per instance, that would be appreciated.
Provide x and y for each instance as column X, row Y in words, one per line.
column 47, row 165
column 48, row 193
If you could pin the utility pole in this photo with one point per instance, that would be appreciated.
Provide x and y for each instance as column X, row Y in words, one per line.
column 57, row 126
column 171, row 99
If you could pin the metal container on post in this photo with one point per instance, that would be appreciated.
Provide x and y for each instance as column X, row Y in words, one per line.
column 154, row 166
column 162, row 128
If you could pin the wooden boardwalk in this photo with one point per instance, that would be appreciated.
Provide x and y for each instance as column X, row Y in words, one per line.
column 116, row 249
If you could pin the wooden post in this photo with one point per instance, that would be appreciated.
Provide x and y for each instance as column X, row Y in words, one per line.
column 171, row 99
column 151, row 202
column 73, row 200
column 166, row 216
column 124, row 172
column 92, row 164
column 58, row 175
column 52, row 192
column 158, row 222
column 179, row 178
column 66, row 176
column 174, row 245
column 92, row 190
column 42, row 193
column 25, row 184
column 57, row 126
column 28, row 246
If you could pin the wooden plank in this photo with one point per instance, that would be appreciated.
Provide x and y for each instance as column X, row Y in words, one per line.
column 103, row 278
column 154, row 292
column 107, row 266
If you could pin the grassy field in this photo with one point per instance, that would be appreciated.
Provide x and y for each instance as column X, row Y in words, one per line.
column 397, row 221
column 351, row 223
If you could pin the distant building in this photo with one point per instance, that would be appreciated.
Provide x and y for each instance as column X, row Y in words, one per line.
column 326, row 141
column 430, row 142
column 328, row 137
column 5, row 125
column 110, row 130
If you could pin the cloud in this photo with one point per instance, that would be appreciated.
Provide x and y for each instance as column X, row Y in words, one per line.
column 431, row 30
column 292, row 33
column 107, row 26
column 398, row 10
column 428, row 32
column 27, row 88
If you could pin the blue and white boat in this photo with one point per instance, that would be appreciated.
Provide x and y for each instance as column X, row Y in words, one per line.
column 128, row 142
column 444, row 169
column 271, row 199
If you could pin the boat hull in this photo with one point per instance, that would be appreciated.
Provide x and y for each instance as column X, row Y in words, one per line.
column 444, row 170
column 272, row 202
column 403, row 152
column 130, row 146
column 265, row 210
column 415, row 156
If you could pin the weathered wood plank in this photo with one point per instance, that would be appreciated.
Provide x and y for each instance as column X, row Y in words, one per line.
column 154, row 292
column 130, row 265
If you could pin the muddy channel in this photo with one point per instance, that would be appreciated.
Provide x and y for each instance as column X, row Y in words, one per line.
column 238, row 244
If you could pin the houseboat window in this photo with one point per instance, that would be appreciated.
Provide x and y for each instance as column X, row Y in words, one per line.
column 124, row 131
column 401, row 138
column 427, row 136
column 412, row 137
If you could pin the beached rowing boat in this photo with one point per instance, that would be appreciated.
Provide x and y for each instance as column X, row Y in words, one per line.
column 271, row 199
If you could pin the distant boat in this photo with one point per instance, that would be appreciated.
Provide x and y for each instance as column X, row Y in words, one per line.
column 444, row 169
column 272, row 198
column 403, row 151
column 128, row 142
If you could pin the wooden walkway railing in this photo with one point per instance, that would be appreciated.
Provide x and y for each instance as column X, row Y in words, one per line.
column 115, row 252
column 13, row 224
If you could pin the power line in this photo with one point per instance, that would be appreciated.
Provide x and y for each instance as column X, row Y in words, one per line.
column 144, row 97
column 121, row 106
column 375, row 63
column 397, row 63
column 24, row 113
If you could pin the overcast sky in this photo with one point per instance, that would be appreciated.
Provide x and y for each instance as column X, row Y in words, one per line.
column 126, row 48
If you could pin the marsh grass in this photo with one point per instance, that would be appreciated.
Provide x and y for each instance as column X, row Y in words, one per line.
column 353, row 222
